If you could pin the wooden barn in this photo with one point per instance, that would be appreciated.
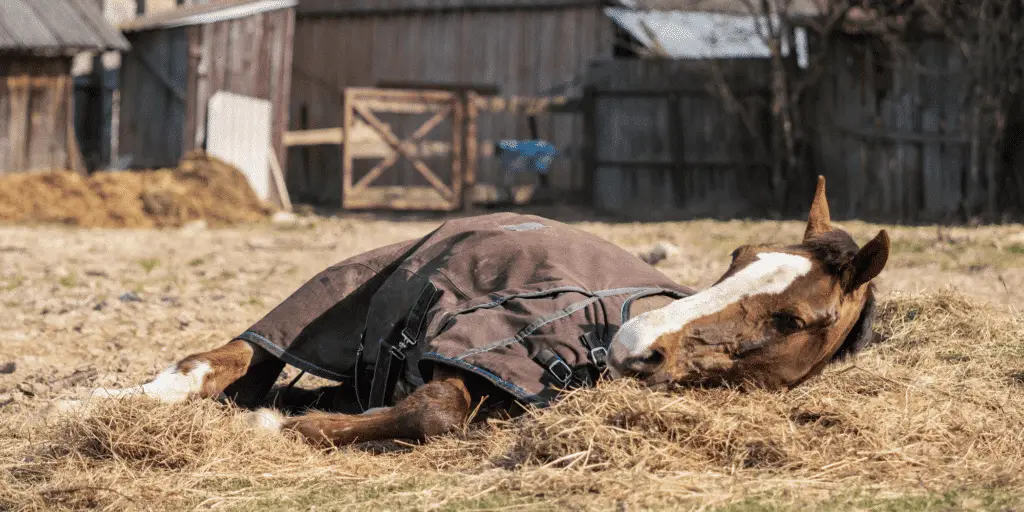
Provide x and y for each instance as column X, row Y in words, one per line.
column 504, row 48
column 181, row 59
column 37, row 43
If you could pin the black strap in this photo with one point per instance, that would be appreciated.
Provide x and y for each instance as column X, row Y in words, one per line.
column 558, row 368
column 391, row 355
column 597, row 350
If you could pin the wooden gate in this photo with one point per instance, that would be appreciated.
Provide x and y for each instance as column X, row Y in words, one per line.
column 433, row 177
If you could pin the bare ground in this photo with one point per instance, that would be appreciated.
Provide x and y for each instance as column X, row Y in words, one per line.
column 930, row 419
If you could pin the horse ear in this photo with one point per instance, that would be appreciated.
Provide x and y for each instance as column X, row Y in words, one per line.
column 869, row 261
column 819, row 221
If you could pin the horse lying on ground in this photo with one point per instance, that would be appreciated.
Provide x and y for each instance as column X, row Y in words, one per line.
column 505, row 310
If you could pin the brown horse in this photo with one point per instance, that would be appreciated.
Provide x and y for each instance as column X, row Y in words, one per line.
column 777, row 317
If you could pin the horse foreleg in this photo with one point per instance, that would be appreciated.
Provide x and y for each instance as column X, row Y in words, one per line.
column 438, row 407
column 207, row 375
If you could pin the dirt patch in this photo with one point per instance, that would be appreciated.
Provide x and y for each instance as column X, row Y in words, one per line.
column 200, row 188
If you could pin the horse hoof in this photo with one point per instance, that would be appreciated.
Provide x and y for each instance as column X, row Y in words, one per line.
column 265, row 419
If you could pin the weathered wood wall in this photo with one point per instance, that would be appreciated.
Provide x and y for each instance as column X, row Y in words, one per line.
column 891, row 133
column 154, row 76
column 665, row 142
column 526, row 51
column 170, row 74
column 36, row 114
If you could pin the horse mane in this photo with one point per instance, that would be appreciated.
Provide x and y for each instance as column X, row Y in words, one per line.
column 862, row 333
column 835, row 250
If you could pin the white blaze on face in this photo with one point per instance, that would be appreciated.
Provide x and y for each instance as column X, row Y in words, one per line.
column 171, row 385
column 771, row 273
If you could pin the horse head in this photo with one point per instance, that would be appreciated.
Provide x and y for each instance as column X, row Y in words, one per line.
column 777, row 316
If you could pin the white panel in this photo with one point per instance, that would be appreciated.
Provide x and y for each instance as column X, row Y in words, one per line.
column 238, row 132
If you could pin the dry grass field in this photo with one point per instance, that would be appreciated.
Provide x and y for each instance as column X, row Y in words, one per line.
column 930, row 419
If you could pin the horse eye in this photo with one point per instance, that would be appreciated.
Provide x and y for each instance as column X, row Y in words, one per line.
column 787, row 322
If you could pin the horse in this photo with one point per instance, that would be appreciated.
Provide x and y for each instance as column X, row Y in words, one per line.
column 777, row 317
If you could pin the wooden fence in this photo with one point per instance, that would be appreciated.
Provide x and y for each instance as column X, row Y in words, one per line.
column 892, row 134
column 663, row 140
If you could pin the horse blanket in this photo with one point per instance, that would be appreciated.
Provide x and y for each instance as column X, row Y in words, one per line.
column 527, row 303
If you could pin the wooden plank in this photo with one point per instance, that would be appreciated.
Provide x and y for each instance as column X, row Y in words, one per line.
column 402, row 106
column 374, row 173
column 74, row 153
column 18, row 131
column 44, row 105
column 322, row 136
column 278, row 175
column 205, row 64
column 521, row 105
column 346, row 151
column 931, row 115
column 458, row 123
column 282, row 73
column 177, row 70
column 363, row 94
column 472, row 153
column 954, row 161
column 157, row 72
column 899, row 136
column 6, row 151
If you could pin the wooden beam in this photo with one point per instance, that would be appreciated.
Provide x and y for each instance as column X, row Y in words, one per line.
column 521, row 105
column 684, row 164
column 279, row 184
column 471, row 157
column 489, row 89
column 323, row 136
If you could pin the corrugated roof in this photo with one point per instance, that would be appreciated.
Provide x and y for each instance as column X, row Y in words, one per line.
column 797, row 8
column 56, row 27
column 355, row 7
column 697, row 35
column 805, row 8
column 205, row 13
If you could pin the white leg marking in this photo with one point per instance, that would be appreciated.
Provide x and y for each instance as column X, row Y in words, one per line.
column 169, row 386
column 771, row 273
column 266, row 419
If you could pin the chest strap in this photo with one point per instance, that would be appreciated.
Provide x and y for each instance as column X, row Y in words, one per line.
column 391, row 356
column 564, row 375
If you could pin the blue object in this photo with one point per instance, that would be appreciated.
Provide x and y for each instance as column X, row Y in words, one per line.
column 522, row 155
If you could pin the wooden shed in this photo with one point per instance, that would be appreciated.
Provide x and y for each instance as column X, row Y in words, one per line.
column 38, row 39
column 181, row 58
column 497, row 47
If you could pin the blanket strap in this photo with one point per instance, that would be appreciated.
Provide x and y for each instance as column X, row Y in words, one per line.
column 391, row 357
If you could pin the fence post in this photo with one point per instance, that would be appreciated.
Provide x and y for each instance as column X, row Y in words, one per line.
column 676, row 139
column 469, row 160
column 589, row 108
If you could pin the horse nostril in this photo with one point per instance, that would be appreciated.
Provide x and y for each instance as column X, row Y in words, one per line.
column 645, row 364
column 656, row 358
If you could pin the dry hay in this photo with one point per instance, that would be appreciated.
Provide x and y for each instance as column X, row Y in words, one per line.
column 932, row 411
column 202, row 187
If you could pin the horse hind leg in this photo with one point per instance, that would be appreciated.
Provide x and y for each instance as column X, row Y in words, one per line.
column 436, row 408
